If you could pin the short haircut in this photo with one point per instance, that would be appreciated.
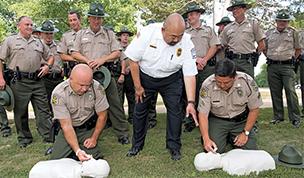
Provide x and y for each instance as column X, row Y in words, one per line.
column 225, row 68
column 75, row 12
column 21, row 18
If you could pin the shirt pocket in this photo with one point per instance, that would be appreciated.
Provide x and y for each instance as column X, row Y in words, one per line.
column 248, row 33
column 239, row 98
column 218, row 105
column 85, row 45
column 104, row 46
column 288, row 42
column 151, row 52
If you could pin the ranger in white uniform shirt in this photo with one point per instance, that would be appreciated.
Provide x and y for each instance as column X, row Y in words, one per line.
column 161, row 57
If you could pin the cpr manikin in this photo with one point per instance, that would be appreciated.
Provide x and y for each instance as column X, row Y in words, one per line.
column 235, row 162
column 69, row 168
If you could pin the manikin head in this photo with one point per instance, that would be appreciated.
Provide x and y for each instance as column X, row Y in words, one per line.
column 208, row 161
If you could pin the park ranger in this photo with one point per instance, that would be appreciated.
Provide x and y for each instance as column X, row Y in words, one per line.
column 228, row 108
column 80, row 105
column 282, row 50
column 55, row 75
column 205, row 43
column 67, row 41
column 239, row 37
column 98, row 46
column 28, row 59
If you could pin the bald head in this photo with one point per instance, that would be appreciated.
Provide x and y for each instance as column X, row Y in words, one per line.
column 173, row 29
column 81, row 78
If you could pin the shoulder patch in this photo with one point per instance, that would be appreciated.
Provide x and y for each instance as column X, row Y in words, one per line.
column 203, row 92
column 55, row 100
column 254, row 85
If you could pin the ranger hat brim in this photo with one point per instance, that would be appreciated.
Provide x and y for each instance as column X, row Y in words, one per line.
column 47, row 27
column 103, row 76
column 7, row 98
column 224, row 20
column 193, row 7
column 239, row 4
column 289, row 156
column 96, row 10
column 124, row 30
column 283, row 15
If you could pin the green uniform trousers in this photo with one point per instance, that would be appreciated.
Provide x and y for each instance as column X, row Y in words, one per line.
column 115, row 111
column 50, row 84
column 201, row 77
column 26, row 90
column 302, row 81
column 223, row 132
column 61, row 148
column 4, row 127
column 244, row 65
column 279, row 76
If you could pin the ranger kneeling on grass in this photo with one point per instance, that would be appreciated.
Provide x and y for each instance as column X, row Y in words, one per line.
column 228, row 108
column 80, row 105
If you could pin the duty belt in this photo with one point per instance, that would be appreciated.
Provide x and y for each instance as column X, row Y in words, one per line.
column 30, row 75
column 270, row 61
column 241, row 117
column 89, row 124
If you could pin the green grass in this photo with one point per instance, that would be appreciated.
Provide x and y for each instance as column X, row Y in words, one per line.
column 154, row 160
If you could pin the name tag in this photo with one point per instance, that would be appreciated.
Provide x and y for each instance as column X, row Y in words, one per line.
column 152, row 46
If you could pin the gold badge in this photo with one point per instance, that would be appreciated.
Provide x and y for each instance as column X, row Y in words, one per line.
column 54, row 100
column 203, row 92
column 240, row 93
column 178, row 52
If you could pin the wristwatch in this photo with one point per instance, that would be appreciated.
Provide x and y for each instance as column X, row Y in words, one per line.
column 246, row 132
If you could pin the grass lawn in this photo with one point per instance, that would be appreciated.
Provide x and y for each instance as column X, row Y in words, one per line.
column 154, row 160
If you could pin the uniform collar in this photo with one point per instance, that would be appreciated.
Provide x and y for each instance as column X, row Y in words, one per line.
column 243, row 22
column 198, row 28
column 284, row 31
column 19, row 36
column 71, row 91
column 101, row 31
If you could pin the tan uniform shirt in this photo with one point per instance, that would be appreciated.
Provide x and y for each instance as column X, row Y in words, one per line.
column 68, row 105
column 67, row 42
column 203, row 38
column 57, row 66
column 240, row 38
column 93, row 45
column 281, row 46
column 27, row 54
column 244, row 92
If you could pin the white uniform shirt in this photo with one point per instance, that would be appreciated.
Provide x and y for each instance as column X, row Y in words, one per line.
column 158, row 59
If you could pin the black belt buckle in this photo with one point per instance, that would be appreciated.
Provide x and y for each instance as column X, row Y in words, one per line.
column 31, row 76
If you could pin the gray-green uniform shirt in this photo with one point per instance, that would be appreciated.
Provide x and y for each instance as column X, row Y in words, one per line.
column 203, row 38
column 281, row 45
column 93, row 45
column 69, row 105
column 67, row 42
column 28, row 55
column 241, row 38
column 243, row 93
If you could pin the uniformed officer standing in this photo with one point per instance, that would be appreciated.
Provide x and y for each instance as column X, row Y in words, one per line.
column 29, row 60
column 67, row 41
column 282, row 48
column 98, row 46
column 158, row 57
column 228, row 108
column 55, row 75
column 221, row 25
column 80, row 105
column 205, row 43
column 239, row 37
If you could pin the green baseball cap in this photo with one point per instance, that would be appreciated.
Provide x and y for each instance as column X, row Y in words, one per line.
column 289, row 156
column 48, row 27
column 7, row 98
column 225, row 20
column 103, row 76
column 283, row 14
column 193, row 6
column 96, row 10
column 238, row 3
column 124, row 29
